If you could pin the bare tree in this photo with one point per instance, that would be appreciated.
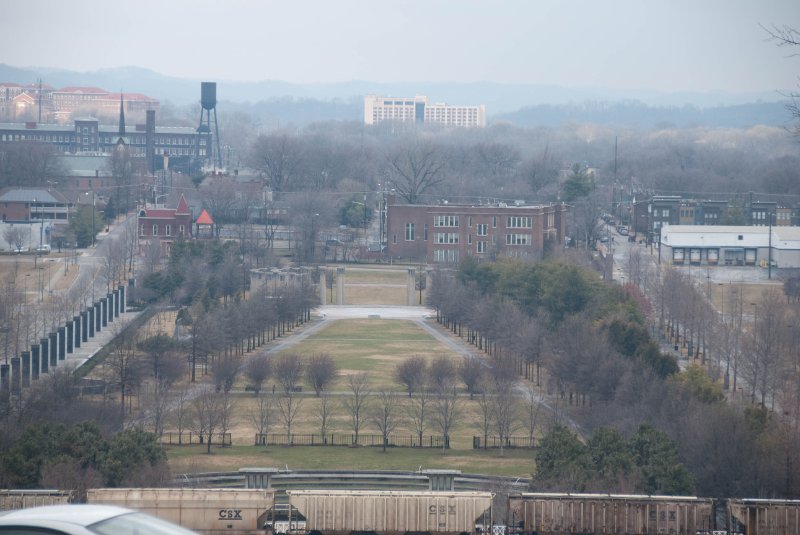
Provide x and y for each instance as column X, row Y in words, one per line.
column 355, row 403
column 471, row 370
column 257, row 370
column 442, row 372
column 124, row 364
column 224, row 373
column 321, row 369
column 209, row 412
column 504, row 410
column 411, row 373
column 325, row 411
column 786, row 36
column 17, row 237
column 446, row 411
column 261, row 415
column 417, row 410
column 385, row 415
column 288, row 370
column 181, row 404
column 416, row 169
column 280, row 158
column 532, row 407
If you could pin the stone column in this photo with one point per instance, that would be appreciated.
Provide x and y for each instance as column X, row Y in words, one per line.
column 14, row 375
column 53, row 350
column 76, row 321
column 121, row 299
column 26, row 369
column 84, row 326
column 104, row 311
column 410, row 286
column 62, row 343
column 90, row 315
column 116, row 303
column 5, row 383
column 98, row 319
column 339, row 285
column 110, row 299
column 35, row 362
column 44, row 344
column 70, row 335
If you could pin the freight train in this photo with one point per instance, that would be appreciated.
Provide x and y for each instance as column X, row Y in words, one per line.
column 354, row 512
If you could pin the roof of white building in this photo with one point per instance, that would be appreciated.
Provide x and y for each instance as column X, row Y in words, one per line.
column 703, row 236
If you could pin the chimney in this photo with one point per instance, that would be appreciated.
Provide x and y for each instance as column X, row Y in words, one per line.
column 149, row 141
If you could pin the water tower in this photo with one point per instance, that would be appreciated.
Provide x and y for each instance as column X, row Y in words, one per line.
column 208, row 103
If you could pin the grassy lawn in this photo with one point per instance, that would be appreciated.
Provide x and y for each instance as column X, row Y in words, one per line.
column 188, row 459
column 374, row 346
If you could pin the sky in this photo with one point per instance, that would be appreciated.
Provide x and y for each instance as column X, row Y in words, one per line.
column 666, row 45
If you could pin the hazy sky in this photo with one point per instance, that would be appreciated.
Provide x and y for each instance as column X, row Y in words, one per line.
column 628, row 44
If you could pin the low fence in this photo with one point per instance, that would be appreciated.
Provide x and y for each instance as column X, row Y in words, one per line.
column 187, row 438
column 509, row 442
column 334, row 439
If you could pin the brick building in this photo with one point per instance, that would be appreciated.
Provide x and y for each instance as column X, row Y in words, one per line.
column 445, row 233
column 165, row 224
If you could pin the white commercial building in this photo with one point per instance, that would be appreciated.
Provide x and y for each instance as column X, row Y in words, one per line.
column 419, row 110
column 730, row 245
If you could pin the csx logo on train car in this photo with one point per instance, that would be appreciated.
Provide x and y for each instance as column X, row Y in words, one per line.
column 230, row 514
column 442, row 509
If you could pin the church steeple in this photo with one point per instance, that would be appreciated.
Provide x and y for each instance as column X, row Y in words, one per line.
column 121, row 115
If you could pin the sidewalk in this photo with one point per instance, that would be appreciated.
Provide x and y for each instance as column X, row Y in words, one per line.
column 88, row 349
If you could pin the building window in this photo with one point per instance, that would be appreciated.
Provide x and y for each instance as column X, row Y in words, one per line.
column 518, row 239
column 425, row 232
column 469, row 221
column 483, row 229
column 445, row 221
column 469, row 238
column 481, row 247
column 494, row 221
column 181, row 229
column 409, row 231
column 445, row 237
column 141, row 232
column 155, row 230
column 518, row 222
column 394, row 238
column 169, row 230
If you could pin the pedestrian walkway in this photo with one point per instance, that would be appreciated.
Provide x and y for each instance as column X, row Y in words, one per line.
column 89, row 348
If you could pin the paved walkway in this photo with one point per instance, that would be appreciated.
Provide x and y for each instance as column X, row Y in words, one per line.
column 88, row 349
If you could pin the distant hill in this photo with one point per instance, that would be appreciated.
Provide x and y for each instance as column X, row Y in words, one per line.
column 525, row 105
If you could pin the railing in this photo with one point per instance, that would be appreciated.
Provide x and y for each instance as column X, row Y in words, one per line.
column 341, row 439
column 187, row 438
column 494, row 442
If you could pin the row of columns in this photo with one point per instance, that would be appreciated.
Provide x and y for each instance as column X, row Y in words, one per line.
column 411, row 287
column 19, row 371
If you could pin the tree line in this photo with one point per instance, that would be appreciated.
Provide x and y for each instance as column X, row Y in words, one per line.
column 591, row 349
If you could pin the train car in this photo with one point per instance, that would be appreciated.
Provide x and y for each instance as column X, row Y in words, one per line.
column 601, row 514
column 21, row 499
column 341, row 512
column 763, row 517
column 211, row 511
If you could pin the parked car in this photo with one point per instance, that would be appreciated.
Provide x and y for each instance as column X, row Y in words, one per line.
column 85, row 520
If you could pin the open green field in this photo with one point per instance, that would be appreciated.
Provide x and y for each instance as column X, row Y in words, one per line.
column 190, row 459
column 374, row 346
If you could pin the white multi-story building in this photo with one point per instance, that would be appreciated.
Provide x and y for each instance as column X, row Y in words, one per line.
column 418, row 109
